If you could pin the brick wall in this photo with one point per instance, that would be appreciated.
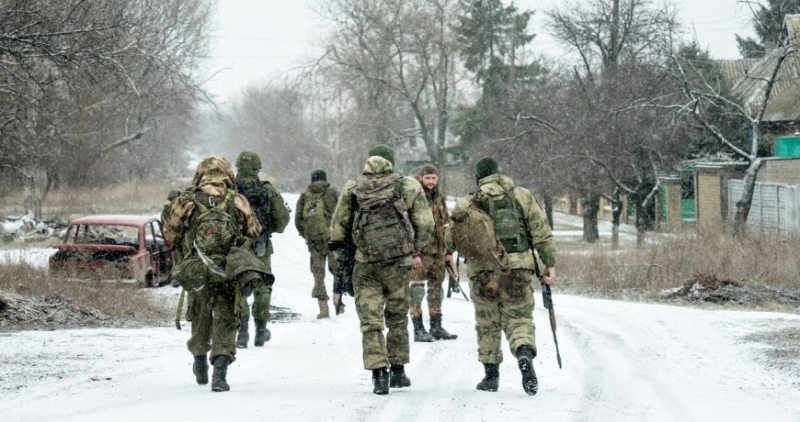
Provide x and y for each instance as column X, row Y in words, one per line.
column 708, row 195
column 673, row 203
column 780, row 171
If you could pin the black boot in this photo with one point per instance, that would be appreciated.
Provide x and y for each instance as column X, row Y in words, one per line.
column 243, row 336
column 397, row 377
column 491, row 380
column 525, row 355
column 200, row 369
column 218, row 382
column 419, row 330
column 380, row 381
column 437, row 331
column 262, row 333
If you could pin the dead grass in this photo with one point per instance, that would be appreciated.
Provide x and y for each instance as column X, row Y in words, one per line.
column 122, row 198
column 642, row 273
column 783, row 353
column 121, row 304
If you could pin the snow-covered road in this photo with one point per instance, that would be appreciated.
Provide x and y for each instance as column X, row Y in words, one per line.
column 622, row 361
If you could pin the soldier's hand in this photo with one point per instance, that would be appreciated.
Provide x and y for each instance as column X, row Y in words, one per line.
column 549, row 275
column 416, row 262
column 448, row 259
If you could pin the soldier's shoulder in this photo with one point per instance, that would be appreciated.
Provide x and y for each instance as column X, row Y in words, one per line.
column 411, row 184
column 349, row 185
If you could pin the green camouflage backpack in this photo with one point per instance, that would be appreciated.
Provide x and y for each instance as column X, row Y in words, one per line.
column 213, row 228
column 509, row 223
column 315, row 225
column 382, row 229
column 474, row 235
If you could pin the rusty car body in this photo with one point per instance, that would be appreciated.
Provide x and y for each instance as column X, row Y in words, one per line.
column 114, row 247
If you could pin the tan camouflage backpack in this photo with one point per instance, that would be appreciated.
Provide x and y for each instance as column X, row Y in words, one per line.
column 474, row 235
column 382, row 229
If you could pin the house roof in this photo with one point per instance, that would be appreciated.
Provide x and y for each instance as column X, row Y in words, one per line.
column 748, row 78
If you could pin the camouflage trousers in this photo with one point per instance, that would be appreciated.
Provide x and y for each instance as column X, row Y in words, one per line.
column 262, row 296
column 432, row 271
column 319, row 254
column 215, row 320
column 382, row 295
column 503, row 304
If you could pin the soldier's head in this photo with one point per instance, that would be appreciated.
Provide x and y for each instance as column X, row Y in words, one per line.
column 486, row 166
column 319, row 176
column 248, row 160
column 214, row 169
column 384, row 151
column 428, row 176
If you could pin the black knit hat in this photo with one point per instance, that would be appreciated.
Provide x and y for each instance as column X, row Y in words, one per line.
column 383, row 150
column 486, row 166
column 317, row 175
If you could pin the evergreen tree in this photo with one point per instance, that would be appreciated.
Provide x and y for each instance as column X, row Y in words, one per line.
column 768, row 26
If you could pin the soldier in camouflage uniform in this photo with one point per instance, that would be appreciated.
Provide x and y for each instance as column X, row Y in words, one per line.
column 434, row 255
column 503, row 297
column 382, row 288
column 212, row 310
column 313, row 220
column 274, row 217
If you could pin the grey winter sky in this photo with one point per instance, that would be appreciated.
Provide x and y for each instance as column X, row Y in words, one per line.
column 257, row 40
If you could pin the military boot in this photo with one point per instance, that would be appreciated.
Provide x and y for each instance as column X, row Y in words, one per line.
column 380, row 381
column 218, row 382
column 243, row 336
column 262, row 333
column 525, row 355
column 437, row 331
column 397, row 377
column 336, row 307
column 200, row 369
column 323, row 310
column 420, row 334
column 491, row 380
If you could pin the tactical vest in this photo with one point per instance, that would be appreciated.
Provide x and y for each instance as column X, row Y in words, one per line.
column 315, row 224
column 474, row 236
column 259, row 198
column 382, row 229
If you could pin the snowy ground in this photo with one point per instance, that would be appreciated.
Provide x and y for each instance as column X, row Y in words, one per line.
column 622, row 361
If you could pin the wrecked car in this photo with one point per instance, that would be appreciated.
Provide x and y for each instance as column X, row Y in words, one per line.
column 114, row 247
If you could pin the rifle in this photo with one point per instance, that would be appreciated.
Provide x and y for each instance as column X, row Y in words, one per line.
column 547, row 299
column 344, row 274
column 454, row 280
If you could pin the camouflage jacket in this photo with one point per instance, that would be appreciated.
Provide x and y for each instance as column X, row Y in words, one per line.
column 214, row 176
column 413, row 196
column 540, row 234
column 329, row 198
column 441, row 217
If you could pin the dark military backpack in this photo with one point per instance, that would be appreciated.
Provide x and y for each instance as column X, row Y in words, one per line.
column 382, row 229
column 260, row 201
column 509, row 222
column 315, row 224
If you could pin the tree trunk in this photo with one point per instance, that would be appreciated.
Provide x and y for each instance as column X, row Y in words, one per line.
column 591, row 206
column 616, row 214
column 33, row 179
column 743, row 204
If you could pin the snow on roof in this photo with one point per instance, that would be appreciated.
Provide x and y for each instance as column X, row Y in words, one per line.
column 121, row 219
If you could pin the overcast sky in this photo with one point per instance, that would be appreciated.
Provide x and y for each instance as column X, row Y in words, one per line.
column 256, row 40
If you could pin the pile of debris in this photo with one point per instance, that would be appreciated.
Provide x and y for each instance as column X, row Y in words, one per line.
column 22, row 312
column 709, row 288
column 24, row 228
